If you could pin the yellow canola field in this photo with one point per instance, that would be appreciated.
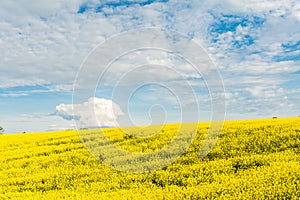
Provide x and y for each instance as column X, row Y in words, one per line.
column 253, row 159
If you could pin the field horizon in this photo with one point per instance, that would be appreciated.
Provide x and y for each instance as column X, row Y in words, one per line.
column 108, row 127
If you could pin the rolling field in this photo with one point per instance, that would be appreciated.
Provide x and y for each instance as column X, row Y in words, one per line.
column 253, row 159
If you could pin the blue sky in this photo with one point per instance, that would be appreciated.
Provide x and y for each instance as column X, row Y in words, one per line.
column 255, row 44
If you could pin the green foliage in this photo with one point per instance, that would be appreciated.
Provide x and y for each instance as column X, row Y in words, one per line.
column 1, row 129
column 253, row 159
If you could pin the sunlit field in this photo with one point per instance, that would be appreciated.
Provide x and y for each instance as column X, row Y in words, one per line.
column 253, row 159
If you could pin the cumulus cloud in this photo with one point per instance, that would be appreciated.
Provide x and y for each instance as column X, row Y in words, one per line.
column 95, row 112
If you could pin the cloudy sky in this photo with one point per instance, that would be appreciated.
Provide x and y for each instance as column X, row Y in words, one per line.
column 255, row 45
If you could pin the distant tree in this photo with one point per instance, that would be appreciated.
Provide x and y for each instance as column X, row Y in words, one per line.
column 1, row 129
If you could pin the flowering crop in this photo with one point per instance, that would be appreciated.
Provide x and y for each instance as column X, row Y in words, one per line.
column 253, row 159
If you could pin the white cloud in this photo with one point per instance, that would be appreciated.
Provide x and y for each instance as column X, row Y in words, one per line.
column 20, row 82
column 95, row 112
column 259, row 67
column 13, row 95
column 49, row 41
